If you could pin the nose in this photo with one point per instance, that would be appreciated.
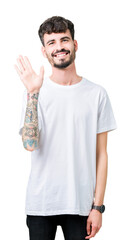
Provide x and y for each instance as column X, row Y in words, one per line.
column 59, row 46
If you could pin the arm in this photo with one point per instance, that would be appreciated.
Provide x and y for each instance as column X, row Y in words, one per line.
column 101, row 168
column 33, row 83
column 94, row 221
column 30, row 132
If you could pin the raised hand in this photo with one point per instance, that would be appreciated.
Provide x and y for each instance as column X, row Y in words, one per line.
column 30, row 79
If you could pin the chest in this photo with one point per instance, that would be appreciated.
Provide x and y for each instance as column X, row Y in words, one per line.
column 62, row 106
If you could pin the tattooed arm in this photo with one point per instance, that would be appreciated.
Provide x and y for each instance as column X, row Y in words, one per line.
column 30, row 132
column 33, row 83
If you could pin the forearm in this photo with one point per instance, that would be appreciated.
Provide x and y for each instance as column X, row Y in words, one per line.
column 30, row 133
column 101, row 178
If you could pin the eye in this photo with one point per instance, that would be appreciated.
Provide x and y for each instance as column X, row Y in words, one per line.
column 51, row 43
column 64, row 40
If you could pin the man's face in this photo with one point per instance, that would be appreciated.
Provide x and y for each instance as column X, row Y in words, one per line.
column 59, row 49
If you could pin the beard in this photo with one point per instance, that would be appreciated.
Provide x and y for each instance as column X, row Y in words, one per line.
column 63, row 62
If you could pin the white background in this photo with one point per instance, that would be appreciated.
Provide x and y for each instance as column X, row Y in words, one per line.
column 103, row 32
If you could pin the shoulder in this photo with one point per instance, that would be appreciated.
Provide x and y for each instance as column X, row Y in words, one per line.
column 97, row 88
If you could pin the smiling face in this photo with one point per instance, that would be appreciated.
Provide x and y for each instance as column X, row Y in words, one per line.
column 59, row 49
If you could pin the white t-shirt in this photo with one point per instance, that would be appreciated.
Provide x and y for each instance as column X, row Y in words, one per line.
column 63, row 169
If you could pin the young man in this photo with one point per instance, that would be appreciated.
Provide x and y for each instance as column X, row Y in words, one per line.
column 64, row 123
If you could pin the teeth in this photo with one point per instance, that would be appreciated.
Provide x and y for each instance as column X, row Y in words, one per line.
column 59, row 55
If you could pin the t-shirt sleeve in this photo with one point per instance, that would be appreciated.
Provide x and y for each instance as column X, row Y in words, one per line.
column 106, row 120
column 23, row 112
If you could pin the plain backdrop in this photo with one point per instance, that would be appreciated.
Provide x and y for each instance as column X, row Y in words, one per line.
column 103, row 32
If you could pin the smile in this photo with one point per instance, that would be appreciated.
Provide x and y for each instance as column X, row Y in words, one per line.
column 60, row 54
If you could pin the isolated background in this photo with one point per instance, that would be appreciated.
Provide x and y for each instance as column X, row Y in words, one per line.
column 103, row 32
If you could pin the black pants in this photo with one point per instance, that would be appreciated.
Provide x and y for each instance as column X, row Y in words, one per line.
column 44, row 227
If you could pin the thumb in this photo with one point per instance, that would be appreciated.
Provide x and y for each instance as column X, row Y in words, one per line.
column 41, row 75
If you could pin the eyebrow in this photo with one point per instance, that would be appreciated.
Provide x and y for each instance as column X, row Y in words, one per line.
column 60, row 39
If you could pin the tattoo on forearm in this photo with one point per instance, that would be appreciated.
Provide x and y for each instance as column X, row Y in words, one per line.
column 30, row 142
column 32, row 96
column 30, row 133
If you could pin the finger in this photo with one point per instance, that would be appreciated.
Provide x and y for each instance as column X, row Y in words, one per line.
column 28, row 63
column 20, row 65
column 88, row 227
column 18, row 71
column 41, row 75
column 93, row 233
column 23, row 62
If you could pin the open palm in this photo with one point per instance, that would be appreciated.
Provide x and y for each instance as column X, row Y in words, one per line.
column 30, row 79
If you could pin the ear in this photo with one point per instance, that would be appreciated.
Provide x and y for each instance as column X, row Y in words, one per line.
column 43, row 51
column 75, row 45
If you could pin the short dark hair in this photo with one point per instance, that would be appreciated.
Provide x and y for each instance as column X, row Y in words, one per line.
column 55, row 24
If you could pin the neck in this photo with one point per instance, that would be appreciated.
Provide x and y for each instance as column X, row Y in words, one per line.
column 65, row 76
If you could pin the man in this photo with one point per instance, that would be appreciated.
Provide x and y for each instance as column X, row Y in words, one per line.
column 64, row 123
